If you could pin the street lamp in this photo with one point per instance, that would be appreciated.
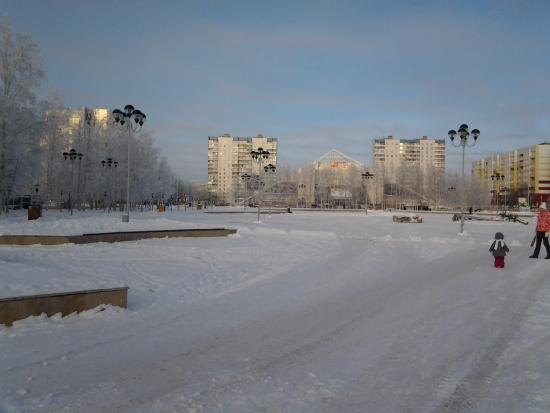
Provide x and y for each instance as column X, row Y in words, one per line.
column 301, row 188
column 123, row 119
column 505, row 191
column 269, row 170
column 72, row 155
column 464, row 134
column 366, row 177
column 498, row 178
column 260, row 155
column 111, row 165
column 245, row 177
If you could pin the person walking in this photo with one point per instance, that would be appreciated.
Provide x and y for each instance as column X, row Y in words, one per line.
column 499, row 250
column 543, row 227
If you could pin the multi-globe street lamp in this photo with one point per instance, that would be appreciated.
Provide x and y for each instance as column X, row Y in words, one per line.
column 111, row 165
column 123, row 119
column 366, row 176
column 260, row 155
column 498, row 178
column 72, row 155
column 463, row 134
column 269, row 170
column 451, row 189
column 246, row 178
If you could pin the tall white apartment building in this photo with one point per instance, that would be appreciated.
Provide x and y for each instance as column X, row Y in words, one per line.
column 229, row 157
column 415, row 164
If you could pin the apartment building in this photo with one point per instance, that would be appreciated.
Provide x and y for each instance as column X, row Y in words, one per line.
column 229, row 157
column 415, row 165
column 74, row 119
column 525, row 172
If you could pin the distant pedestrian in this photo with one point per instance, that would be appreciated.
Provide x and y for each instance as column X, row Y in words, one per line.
column 543, row 228
column 499, row 250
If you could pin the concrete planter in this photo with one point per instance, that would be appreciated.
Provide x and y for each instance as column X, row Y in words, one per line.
column 17, row 308
column 112, row 236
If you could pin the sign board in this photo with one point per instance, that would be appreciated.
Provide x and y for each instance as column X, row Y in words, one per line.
column 340, row 193
column 339, row 165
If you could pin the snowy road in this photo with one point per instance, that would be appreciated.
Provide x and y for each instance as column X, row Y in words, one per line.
column 302, row 313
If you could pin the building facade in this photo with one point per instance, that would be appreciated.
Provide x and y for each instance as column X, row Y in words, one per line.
column 414, row 168
column 336, row 180
column 229, row 158
column 522, row 173
column 76, row 118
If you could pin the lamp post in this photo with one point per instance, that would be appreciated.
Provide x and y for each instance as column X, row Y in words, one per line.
column 497, row 177
column 246, row 178
column 451, row 189
column 72, row 155
column 35, row 200
column 366, row 177
column 36, row 190
column 505, row 191
column 111, row 165
column 260, row 155
column 301, row 188
column 464, row 134
column 123, row 119
column 269, row 170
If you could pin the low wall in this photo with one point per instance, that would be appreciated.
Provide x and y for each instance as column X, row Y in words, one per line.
column 33, row 239
column 112, row 236
column 137, row 235
column 249, row 211
column 17, row 308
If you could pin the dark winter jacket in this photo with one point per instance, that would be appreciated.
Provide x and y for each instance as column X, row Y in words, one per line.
column 499, row 247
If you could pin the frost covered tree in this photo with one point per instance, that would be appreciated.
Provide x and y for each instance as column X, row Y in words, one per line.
column 33, row 137
column 21, row 73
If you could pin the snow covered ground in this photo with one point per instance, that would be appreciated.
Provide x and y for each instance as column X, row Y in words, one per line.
column 303, row 312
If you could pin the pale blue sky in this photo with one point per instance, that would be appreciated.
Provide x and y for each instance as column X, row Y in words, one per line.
column 316, row 74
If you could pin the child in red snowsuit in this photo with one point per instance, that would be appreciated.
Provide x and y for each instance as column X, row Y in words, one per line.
column 499, row 250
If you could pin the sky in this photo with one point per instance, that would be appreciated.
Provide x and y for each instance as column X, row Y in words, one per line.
column 318, row 75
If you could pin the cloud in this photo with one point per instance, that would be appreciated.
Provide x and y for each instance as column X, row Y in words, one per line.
column 317, row 75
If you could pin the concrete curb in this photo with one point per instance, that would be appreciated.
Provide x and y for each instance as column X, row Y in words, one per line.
column 112, row 236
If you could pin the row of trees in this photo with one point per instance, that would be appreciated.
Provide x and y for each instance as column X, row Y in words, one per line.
column 346, row 188
column 34, row 134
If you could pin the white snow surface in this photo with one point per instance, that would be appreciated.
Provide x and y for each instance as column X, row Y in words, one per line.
column 303, row 312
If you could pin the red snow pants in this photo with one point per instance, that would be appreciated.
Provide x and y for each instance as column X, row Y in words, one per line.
column 499, row 262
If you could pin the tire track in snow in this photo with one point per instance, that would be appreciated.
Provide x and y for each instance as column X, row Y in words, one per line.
column 486, row 361
column 299, row 348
